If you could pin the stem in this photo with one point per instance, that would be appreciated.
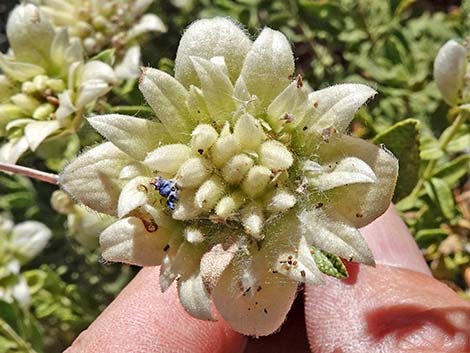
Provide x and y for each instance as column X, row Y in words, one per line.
column 76, row 121
column 20, row 342
column 31, row 173
column 454, row 128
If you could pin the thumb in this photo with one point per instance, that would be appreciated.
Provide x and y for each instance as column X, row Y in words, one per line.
column 394, row 307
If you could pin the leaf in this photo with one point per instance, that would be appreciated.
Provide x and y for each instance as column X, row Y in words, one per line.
column 426, row 237
column 9, row 314
column 330, row 264
column 107, row 56
column 453, row 171
column 441, row 194
column 459, row 143
column 403, row 140
column 430, row 149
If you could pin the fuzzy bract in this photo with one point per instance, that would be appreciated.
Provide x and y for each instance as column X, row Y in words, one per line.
column 268, row 188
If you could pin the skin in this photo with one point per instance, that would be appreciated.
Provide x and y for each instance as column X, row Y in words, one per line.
column 395, row 307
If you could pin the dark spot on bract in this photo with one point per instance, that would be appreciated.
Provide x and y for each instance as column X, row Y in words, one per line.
column 150, row 225
column 167, row 246
column 319, row 205
column 359, row 215
column 200, row 151
column 259, row 288
column 302, row 273
column 265, row 310
column 304, row 128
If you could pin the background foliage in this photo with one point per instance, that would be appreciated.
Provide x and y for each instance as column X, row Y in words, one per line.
column 390, row 45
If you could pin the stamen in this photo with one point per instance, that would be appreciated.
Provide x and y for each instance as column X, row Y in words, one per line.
column 168, row 189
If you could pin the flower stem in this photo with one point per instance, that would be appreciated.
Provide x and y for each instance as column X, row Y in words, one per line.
column 20, row 342
column 31, row 173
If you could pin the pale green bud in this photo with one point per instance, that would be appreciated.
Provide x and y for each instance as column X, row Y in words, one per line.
column 275, row 155
column 9, row 112
column 40, row 82
column 26, row 102
column 209, row 193
column 253, row 220
column 224, row 148
column 228, row 205
column 62, row 202
column 193, row 235
column 56, row 85
column 236, row 168
column 44, row 111
column 192, row 173
column 28, row 87
column 168, row 158
column 202, row 138
column 257, row 180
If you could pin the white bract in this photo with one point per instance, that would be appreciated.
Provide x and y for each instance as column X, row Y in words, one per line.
column 113, row 24
column 46, row 86
column 18, row 245
column 246, row 183
column 450, row 72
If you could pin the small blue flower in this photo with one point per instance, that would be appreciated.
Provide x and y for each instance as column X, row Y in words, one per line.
column 168, row 189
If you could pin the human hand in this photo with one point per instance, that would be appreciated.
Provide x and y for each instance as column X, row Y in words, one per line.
column 394, row 307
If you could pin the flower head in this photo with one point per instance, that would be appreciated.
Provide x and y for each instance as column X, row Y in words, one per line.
column 100, row 25
column 46, row 85
column 245, row 186
column 18, row 244
column 451, row 72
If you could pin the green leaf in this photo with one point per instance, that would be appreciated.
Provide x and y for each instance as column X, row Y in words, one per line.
column 441, row 194
column 430, row 149
column 426, row 237
column 107, row 56
column 9, row 314
column 459, row 143
column 330, row 264
column 452, row 172
column 403, row 140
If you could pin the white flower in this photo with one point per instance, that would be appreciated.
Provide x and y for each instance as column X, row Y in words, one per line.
column 450, row 67
column 19, row 244
column 118, row 24
column 246, row 185
column 47, row 86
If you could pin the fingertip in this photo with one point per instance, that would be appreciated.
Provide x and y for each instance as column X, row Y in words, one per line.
column 387, row 309
column 142, row 319
column 392, row 244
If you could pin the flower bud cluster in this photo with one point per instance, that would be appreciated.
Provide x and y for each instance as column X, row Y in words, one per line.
column 228, row 174
column 117, row 24
column 46, row 85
